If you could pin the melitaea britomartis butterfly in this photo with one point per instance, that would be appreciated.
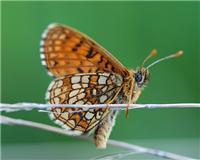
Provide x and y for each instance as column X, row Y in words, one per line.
column 86, row 73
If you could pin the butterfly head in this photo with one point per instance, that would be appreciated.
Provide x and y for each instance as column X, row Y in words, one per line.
column 142, row 74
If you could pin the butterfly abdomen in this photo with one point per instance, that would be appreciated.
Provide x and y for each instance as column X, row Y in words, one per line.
column 104, row 130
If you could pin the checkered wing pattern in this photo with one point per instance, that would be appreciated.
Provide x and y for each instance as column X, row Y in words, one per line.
column 87, row 88
column 65, row 50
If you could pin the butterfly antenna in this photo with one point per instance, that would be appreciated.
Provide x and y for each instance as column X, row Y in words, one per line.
column 176, row 55
column 153, row 53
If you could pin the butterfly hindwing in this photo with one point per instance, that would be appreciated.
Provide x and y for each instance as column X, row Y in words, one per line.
column 87, row 88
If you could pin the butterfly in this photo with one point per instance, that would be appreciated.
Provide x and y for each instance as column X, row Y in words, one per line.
column 86, row 73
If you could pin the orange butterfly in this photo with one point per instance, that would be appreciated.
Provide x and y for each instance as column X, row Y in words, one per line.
column 86, row 73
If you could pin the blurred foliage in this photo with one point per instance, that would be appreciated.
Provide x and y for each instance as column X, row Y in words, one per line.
column 129, row 30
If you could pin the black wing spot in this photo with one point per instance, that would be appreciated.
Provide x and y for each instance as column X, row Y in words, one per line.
column 80, row 70
column 90, row 53
column 74, row 49
column 113, row 69
column 79, row 44
column 55, row 63
column 101, row 60
column 107, row 63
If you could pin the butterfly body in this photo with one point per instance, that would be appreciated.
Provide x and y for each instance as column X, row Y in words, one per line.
column 86, row 73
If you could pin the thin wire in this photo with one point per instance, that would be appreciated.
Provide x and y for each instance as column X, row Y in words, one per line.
column 124, row 145
column 30, row 106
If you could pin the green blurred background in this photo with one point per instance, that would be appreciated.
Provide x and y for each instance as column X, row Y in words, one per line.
column 129, row 30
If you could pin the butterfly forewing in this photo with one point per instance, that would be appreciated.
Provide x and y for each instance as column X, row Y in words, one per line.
column 85, row 88
column 67, row 51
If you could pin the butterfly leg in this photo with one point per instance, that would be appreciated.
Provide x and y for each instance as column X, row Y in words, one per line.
column 103, row 131
column 130, row 97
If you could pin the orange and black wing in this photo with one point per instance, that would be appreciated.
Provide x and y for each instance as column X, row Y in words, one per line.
column 65, row 50
column 87, row 88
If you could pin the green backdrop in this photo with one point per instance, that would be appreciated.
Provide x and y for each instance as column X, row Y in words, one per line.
column 129, row 30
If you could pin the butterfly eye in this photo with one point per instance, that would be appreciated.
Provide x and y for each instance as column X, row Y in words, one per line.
column 138, row 77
